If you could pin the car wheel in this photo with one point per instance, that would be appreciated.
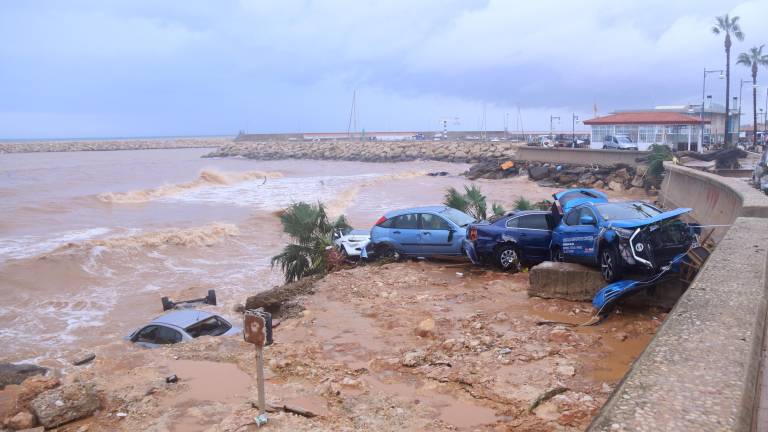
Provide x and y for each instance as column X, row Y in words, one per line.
column 388, row 252
column 508, row 258
column 557, row 255
column 610, row 268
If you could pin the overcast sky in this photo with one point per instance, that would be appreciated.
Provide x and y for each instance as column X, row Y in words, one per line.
column 101, row 68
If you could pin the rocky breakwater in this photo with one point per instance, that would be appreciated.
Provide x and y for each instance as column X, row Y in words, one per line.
column 106, row 145
column 371, row 151
column 618, row 177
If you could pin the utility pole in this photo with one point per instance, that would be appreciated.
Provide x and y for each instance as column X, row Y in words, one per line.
column 701, row 113
column 551, row 134
column 573, row 128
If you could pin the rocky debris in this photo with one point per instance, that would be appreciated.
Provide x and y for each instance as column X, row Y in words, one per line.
column 619, row 177
column 39, row 429
column 724, row 158
column 426, row 328
column 16, row 373
column 83, row 359
column 102, row 145
column 31, row 388
column 65, row 404
column 22, row 420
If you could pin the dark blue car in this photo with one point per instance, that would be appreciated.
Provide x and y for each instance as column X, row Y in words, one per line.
column 620, row 237
column 518, row 239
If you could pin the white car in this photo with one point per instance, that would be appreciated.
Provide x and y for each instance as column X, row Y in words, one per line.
column 352, row 243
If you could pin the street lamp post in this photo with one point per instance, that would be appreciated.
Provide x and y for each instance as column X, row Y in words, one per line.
column 551, row 134
column 574, row 117
column 701, row 113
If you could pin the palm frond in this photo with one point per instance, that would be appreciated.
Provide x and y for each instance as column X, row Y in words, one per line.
column 739, row 34
column 296, row 261
column 478, row 207
column 744, row 59
column 497, row 209
column 455, row 199
column 715, row 30
column 523, row 204
column 659, row 154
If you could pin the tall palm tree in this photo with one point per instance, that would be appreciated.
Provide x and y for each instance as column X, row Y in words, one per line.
column 312, row 233
column 753, row 59
column 729, row 26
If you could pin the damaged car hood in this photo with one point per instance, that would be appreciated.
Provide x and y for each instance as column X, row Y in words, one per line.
column 636, row 223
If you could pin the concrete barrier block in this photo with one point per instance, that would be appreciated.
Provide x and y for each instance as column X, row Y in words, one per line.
column 564, row 281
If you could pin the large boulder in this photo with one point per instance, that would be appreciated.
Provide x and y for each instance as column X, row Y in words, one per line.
column 17, row 373
column 538, row 172
column 566, row 281
column 65, row 404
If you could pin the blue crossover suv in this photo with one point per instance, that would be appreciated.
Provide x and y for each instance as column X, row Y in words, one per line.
column 421, row 232
column 621, row 237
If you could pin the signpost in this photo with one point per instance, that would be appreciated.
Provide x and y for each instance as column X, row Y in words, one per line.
column 257, row 330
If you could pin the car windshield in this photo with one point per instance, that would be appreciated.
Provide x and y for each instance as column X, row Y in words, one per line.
column 212, row 326
column 458, row 217
column 627, row 211
column 623, row 140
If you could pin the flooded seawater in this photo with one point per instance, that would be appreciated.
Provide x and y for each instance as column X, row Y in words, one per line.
column 90, row 241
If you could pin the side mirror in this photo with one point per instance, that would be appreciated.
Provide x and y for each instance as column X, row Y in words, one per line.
column 587, row 220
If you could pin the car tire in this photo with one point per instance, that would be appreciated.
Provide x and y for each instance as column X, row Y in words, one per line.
column 167, row 303
column 211, row 298
column 508, row 258
column 388, row 252
column 610, row 266
column 556, row 254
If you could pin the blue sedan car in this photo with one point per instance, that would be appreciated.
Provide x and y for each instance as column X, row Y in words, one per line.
column 516, row 239
column 621, row 236
column 420, row 232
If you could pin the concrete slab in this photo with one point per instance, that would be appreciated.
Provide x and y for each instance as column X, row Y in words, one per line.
column 564, row 281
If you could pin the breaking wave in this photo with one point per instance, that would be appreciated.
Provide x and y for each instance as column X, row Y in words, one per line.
column 207, row 235
column 207, row 178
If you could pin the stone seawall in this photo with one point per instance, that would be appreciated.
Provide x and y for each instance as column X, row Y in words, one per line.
column 116, row 144
column 372, row 151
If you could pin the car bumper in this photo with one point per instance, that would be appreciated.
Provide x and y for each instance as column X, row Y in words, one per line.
column 469, row 251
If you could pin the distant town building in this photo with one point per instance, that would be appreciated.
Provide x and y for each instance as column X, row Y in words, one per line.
column 680, row 127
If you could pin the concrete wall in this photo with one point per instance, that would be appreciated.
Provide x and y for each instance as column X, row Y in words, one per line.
column 579, row 156
column 701, row 371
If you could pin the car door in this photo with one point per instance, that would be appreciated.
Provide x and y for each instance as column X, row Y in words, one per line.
column 405, row 232
column 579, row 240
column 534, row 236
column 436, row 236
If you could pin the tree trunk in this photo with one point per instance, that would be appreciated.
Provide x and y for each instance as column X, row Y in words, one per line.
column 754, row 106
column 727, row 88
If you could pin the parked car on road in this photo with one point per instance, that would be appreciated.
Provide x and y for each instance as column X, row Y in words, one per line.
column 181, row 326
column 760, row 174
column 618, row 142
column 621, row 237
column 421, row 232
column 517, row 239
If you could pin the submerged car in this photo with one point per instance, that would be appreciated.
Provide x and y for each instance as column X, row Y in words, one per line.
column 421, row 232
column 181, row 326
column 621, row 237
column 352, row 243
column 514, row 240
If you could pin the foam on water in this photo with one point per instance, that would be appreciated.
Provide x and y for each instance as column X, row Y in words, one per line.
column 31, row 246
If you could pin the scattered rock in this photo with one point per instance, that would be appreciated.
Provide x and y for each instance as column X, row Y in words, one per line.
column 538, row 173
column 32, row 387
column 17, row 373
column 172, row 379
column 565, row 370
column 83, row 359
column 22, row 420
column 351, row 382
column 66, row 403
column 413, row 358
column 426, row 328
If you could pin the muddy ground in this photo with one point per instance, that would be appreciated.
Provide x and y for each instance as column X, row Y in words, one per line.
column 403, row 346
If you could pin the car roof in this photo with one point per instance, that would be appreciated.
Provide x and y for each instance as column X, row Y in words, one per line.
column 427, row 209
column 183, row 318
column 359, row 232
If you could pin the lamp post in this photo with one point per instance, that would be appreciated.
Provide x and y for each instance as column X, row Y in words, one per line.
column 574, row 117
column 701, row 114
column 551, row 134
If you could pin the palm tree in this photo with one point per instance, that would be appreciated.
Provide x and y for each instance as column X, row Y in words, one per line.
column 472, row 202
column 729, row 26
column 312, row 233
column 753, row 59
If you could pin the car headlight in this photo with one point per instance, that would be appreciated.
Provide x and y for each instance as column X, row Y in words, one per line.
column 623, row 232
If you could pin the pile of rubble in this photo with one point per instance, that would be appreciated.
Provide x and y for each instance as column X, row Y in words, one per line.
column 619, row 177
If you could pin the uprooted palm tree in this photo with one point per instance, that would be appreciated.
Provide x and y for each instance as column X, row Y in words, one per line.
column 752, row 60
column 729, row 26
column 311, row 231
column 472, row 202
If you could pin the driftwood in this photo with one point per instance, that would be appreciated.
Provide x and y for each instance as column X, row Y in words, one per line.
column 274, row 297
column 717, row 155
column 547, row 395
